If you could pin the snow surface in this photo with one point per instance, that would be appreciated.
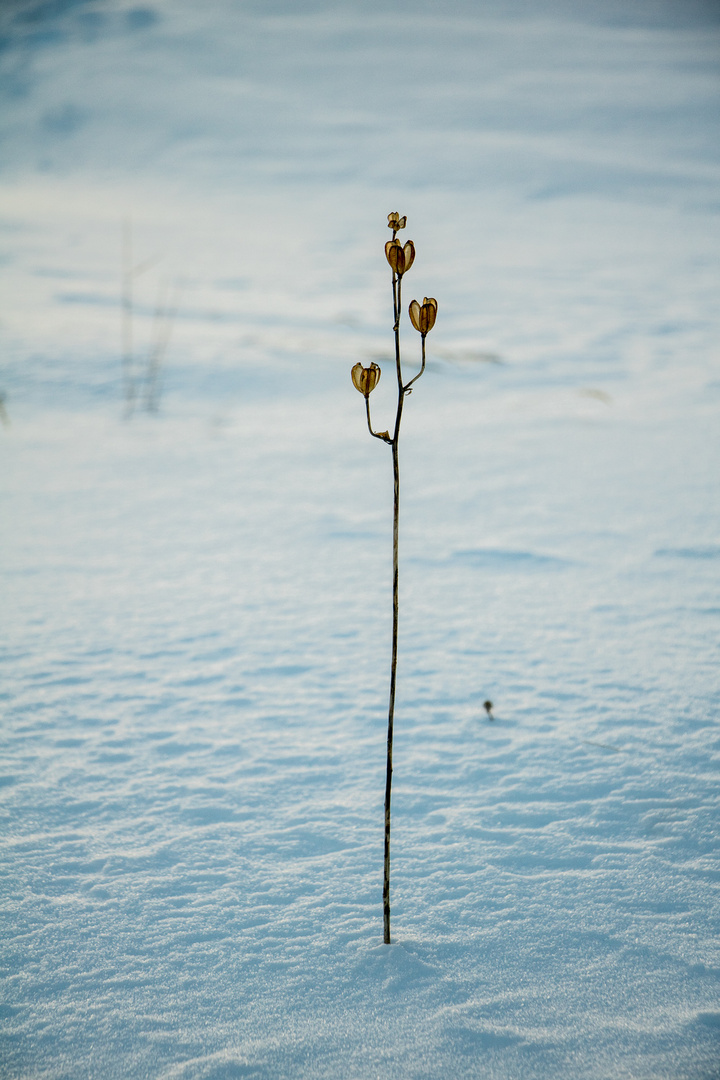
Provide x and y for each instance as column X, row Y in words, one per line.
column 196, row 603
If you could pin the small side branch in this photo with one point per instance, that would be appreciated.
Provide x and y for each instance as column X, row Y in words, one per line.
column 406, row 387
column 383, row 435
column 162, row 330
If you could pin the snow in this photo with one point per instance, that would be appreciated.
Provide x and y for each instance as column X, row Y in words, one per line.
column 196, row 602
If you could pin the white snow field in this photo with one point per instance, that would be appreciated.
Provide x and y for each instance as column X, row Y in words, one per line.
column 196, row 601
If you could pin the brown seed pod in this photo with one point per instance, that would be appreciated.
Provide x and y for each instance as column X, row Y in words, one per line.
column 423, row 317
column 365, row 379
column 400, row 258
column 396, row 222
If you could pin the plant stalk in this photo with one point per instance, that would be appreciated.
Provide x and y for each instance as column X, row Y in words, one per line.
column 391, row 708
column 365, row 380
column 397, row 301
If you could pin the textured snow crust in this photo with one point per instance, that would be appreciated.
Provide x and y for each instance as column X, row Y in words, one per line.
column 196, row 603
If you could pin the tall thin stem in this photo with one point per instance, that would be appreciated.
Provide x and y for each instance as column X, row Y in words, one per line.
column 397, row 302
column 393, row 678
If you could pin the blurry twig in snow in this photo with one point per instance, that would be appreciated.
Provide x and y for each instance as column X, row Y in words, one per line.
column 598, row 395
column 129, row 273
column 365, row 380
column 603, row 746
column 163, row 320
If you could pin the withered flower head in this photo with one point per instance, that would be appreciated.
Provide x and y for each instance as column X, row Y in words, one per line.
column 423, row 318
column 365, row 379
column 400, row 258
column 396, row 222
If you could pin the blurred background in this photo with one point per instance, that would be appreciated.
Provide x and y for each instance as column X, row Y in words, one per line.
column 558, row 164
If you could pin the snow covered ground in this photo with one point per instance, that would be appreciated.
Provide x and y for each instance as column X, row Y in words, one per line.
column 196, row 602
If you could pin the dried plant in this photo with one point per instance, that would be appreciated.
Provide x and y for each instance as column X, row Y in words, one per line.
column 161, row 330
column 422, row 316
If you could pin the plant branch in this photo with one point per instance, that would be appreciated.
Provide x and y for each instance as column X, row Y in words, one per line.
column 384, row 435
column 407, row 386
column 397, row 295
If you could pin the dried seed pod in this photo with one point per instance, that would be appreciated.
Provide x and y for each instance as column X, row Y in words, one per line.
column 396, row 222
column 423, row 317
column 400, row 258
column 365, row 379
